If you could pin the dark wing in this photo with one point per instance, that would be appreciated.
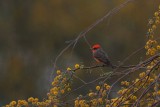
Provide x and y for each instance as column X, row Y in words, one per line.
column 102, row 57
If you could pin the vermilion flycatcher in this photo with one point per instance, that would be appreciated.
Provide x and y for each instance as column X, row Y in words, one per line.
column 100, row 56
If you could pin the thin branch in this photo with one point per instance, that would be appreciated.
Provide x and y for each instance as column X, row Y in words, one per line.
column 112, row 12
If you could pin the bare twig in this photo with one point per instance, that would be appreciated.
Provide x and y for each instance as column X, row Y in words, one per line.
column 73, row 43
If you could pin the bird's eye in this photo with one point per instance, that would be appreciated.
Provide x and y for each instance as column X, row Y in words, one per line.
column 94, row 48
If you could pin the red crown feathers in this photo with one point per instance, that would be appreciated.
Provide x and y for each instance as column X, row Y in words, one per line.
column 96, row 46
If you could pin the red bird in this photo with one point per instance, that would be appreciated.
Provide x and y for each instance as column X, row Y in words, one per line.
column 100, row 56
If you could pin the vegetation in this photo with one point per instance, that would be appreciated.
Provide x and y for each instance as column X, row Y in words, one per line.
column 141, row 91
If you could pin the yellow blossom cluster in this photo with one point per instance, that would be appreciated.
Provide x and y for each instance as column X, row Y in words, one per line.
column 94, row 99
column 152, row 46
column 126, row 96
column 80, row 103
column 98, row 88
column 20, row 103
column 125, row 83
column 92, row 103
column 60, row 85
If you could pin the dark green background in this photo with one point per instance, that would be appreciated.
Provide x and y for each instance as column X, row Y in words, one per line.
column 33, row 32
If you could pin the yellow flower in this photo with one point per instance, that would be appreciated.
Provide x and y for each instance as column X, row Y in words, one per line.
column 156, row 14
column 68, row 89
column 150, row 80
column 100, row 100
column 76, row 66
column 62, row 91
column 98, row 88
column 55, row 89
column 55, row 93
column 151, row 36
column 91, row 94
column 58, row 72
column 36, row 100
column 76, row 103
column 119, row 92
column 154, row 27
column 150, row 30
column 158, row 93
column 48, row 101
column 152, row 53
column 69, row 69
column 122, row 83
column 127, row 83
column 126, row 102
column 115, row 105
column 149, row 67
column 22, row 102
column 146, row 47
column 137, row 80
column 54, row 83
column 107, row 105
column 125, row 91
column 82, row 103
column 113, row 100
column 103, row 93
column 158, row 47
column 157, row 21
column 13, row 103
column 94, row 102
column 30, row 99
column 141, row 75
column 59, row 76
column 133, row 97
column 108, row 87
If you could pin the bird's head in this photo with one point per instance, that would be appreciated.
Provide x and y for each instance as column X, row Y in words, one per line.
column 95, row 47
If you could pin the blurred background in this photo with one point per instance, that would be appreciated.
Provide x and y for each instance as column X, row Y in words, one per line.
column 33, row 32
